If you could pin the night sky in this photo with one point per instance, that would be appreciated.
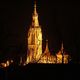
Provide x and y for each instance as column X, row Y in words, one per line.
column 59, row 21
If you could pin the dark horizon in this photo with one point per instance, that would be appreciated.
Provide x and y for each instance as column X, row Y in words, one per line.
column 59, row 22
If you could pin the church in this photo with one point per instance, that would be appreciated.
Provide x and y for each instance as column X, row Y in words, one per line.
column 34, row 52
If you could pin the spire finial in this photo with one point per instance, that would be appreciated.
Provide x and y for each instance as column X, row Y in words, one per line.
column 46, row 42
column 35, row 11
column 47, row 49
column 46, row 45
column 62, row 47
column 35, row 21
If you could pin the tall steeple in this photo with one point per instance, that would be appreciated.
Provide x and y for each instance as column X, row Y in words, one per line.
column 62, row 47
column 34, row 38
column 35, row 11
column 35, row 22
column 46, row 49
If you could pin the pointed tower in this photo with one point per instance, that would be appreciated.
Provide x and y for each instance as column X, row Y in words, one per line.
column 65, row 56
column 62, row 52
column 59, row 55
column 35, row 22
column 47, row 49
column 62, row 48
column 34, row 38
column 46, row 54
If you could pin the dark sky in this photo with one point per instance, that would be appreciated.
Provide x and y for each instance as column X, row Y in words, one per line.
column 59, row 22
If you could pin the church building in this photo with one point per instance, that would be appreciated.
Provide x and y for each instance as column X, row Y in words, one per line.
column 34, row 52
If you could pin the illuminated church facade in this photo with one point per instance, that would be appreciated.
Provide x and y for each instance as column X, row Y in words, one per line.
column 34, row 52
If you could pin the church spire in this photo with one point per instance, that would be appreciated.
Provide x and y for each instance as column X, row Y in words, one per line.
column 62, row 47
column 35, row 11
column 47, row 49
column 35, row 22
